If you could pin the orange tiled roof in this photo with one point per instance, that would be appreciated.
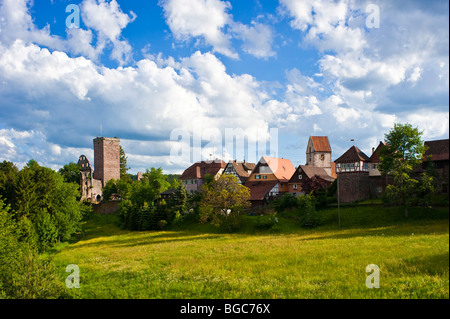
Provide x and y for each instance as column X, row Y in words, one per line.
column 321, row 143
column 282, row 168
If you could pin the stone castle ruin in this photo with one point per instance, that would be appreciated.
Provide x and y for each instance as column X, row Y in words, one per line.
column 107, row 167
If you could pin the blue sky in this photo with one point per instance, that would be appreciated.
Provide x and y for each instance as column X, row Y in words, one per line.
column 144, row 69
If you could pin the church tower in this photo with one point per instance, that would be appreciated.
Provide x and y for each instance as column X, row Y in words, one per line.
column 106, row 159
column 318, row 153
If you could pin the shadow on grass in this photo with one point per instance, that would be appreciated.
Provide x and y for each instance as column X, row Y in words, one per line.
column 133, row 239
column 434, row 265
column 374, row 220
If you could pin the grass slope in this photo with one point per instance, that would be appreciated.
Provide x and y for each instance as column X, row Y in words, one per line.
column 326, row 262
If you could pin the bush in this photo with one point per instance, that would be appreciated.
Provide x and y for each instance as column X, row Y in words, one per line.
column 162, row 224
column 309, row 217
column 286, row 201
column 23, row 273
column 266, row 222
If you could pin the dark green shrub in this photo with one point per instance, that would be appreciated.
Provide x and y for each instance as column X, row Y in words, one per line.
column 309, row 217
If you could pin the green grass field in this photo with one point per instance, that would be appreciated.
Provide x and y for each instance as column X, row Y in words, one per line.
column 292, row 263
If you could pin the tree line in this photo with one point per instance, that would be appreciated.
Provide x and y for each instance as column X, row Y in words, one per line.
column 39, row 208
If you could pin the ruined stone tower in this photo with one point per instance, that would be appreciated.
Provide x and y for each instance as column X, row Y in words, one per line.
column 106, row 159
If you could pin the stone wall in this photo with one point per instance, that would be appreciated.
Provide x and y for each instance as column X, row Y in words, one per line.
column 107, row 208
column 354, row 186
column 106, row 159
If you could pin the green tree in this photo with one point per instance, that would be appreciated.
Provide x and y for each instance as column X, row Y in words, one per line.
column 8, row 179
column 71, row 173
column 123, row 164
column 23, row 273
column 223, row 201
column 402, row 153
column 42, row 196
column 179, row 199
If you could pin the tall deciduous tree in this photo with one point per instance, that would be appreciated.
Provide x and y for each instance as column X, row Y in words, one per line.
column 123, row 163
column 223, row 200
column 402, row 153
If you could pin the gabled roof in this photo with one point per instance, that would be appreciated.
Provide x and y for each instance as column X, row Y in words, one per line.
column 321, row 143
column 258, row 189
column 353, row 154
column 280, row 167
column 375, row 158
column 200, row 169
column 311, row 171
column 242, row 169
column 439, row 150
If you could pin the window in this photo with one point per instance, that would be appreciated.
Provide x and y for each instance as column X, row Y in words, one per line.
column 374, row 166
column 295, row 186
column 257, row 176
column 264, row 169
column 300, row 176
column 379, row 190
column 264, row 176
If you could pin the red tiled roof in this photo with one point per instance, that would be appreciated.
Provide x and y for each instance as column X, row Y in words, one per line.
column 200, row 169
column 280, row 167
column 353, row 154
column 321, row 143
column 258, row 189
column 439, row 150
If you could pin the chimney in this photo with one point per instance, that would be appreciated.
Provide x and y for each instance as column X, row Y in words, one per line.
column 373, row 150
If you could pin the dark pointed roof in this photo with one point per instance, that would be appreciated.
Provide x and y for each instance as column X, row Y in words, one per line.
column 375, row 158
column 439, row 150
column 310, row 172
column 353, row 154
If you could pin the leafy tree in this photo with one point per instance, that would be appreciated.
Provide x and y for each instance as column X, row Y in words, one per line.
column 309, row 216
column 23, row 273
column 223, row 200
column 402, row 153
column 42, row 196
column 179, row 199
column 288, row 200
column 8, row 179
column 71, row 173
column 109, row 189
column 149, row 188
column 123, row 164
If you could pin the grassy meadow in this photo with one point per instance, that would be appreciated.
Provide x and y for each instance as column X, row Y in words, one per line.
column 286, row 262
